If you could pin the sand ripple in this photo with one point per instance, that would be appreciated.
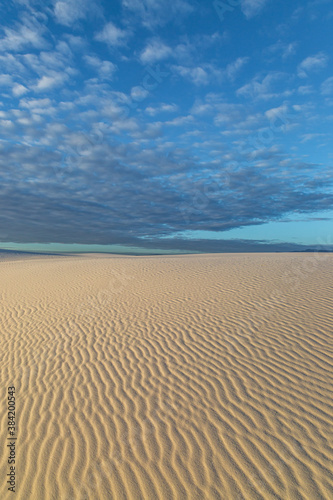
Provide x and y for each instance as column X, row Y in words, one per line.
column 192, row 377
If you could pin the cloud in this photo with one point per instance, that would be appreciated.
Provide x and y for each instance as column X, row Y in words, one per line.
column 285, row 49
column 261, row 89
column 180, row 121
column 199, row 75
column 6, row 80
column 153, row 13
column 68, row 12
column 289, row 50
column 50, row 82
column 19, row 90
column 96, row 156
column 138, row 93
column 201, row 108
column 233, row 68
column 327, row 86
column 305, row 89
column 77, row 43
column 105, row 69
column 252, row 8
column 11, row 64
column 162, row 108
column 310, row 137
column 112, row 35
column 7, row 124
column 154, row 51
column 35, row 103
column 312, row 63
column 97, row 187
column 274, row 113
column 27, row 34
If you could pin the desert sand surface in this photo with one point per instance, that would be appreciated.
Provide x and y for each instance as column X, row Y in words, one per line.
column 169, row 377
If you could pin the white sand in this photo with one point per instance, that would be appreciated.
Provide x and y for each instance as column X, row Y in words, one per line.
column 178, row 377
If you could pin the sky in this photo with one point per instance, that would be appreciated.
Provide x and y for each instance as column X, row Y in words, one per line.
column 150, row 125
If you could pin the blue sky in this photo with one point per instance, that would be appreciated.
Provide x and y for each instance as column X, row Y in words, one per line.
column 177, row 126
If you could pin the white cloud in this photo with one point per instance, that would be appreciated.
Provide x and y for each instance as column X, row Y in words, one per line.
column 112, row 35
column 289, row 50
column 157, row 12
column 180, row 120
column 196, row 75
column 309, row 137
column 151, row 131
column 5, row 80
column 124, row 124
column 274, row 113
column 155, row 51
column 162, row 108
column 50, row 82
column 139, row 93
column 26, row 34
column 169, row 108
column 11, row 64
column 25, row 121
column 327, row 86
column 285, row 49
column 57, row 128
column 37, row 107
column 67, row 12
column 35, row 103
column 92, row 61
column 230, row 113
column 105, row 69
column 185, row 52
column 305, row 89
column 57, row 59
column 19, row 90
column 6, row 124
column 200, row 108
column 252, row 7
column 312, row 63
column 234, row 67
column 76, row 42
column 261, row 89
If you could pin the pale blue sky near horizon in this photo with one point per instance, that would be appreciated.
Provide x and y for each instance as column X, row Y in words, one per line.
column 166, row 127
column 302, row 232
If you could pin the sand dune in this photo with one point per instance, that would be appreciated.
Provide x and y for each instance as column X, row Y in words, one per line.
column 178, row 377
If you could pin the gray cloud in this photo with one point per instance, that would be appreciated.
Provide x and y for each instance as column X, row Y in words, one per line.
column 110, row 194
